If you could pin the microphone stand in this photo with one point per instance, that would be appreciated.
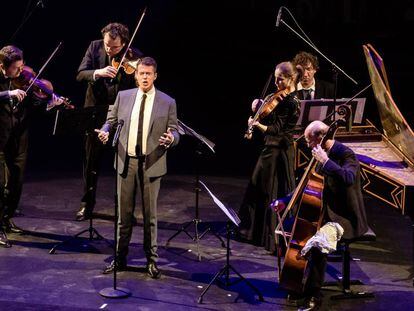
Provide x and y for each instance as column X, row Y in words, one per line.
column 116, row 292
column 26, row 17
column 335, row 68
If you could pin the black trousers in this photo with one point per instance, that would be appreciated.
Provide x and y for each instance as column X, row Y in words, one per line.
column 317, row 269
column 94, row 150
column 12, row 165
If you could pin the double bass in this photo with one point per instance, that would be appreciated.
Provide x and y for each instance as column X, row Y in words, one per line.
column 308, row 201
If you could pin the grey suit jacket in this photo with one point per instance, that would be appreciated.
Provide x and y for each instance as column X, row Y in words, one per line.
column 163, row 116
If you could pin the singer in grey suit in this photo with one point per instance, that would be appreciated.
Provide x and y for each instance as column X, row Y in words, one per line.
column 141, row 161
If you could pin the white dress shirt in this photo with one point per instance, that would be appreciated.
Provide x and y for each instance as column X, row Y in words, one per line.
column 311, row 88
column 133, row 128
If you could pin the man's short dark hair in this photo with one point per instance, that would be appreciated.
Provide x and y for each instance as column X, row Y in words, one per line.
column 10, row 54
column 116, row 29
column 148, row 61
column 303, row 58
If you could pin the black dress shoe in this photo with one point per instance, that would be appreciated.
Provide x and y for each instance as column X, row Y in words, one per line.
column 11, row 227
column 83, row 213
column 295, row 300
column 4, row 241
column 152, row 270
column 311, row 304
column 121, row 266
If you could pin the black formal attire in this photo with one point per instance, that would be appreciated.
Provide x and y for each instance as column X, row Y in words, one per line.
column 14, row 125
column 140, row 171
column 343, row 204
column 273, row 175
column 100, row 94
column 322, row 89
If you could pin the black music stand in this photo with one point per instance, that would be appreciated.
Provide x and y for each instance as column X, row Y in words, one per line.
column 225, row 271
column 186, row 130
column 79, row 121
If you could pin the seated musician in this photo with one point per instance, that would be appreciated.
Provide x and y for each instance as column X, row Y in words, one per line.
column 342, row 199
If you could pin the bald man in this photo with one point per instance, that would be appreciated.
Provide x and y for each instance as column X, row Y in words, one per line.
column 342, row 199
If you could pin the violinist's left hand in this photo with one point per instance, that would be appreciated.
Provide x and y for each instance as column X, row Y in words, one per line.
column 166, row 139
column 319, row 154
column 55, row 101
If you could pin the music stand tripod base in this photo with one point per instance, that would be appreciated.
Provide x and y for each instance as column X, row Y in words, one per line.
column 118, row 292
column 225, row 271
column 197, row 237
column 93, row 235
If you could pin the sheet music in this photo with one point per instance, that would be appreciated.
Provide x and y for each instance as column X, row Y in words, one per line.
column 186, row 130
column 230, row 213
column 318, row 109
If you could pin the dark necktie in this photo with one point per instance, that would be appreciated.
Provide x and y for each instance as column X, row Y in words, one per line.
column 307, row 94
column 140, row 125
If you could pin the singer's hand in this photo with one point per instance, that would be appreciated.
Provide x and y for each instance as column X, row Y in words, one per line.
column 107, row 72
column 102, row 135
column 18, row 94
column 166, row 139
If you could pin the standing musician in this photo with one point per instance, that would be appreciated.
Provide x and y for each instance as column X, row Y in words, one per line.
column 149, row 119
column 308, row 86
column 103, row 85
column 273, row 175
column 342, row 199
column 15, row 108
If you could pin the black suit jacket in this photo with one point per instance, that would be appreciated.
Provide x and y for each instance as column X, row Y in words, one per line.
column 101, row 92
column 323, row 89
column 342, row 194
column 11, row 121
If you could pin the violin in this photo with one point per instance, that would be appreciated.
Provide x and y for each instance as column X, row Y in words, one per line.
column 42, row 89
column 266, row 107
column 129, row 63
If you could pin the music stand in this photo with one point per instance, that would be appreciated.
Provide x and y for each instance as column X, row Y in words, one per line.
column 323, row 109
column 79, row 121
column 186, row 130
column 225, row 271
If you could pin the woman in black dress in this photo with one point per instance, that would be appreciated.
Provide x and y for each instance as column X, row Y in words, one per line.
column 273, row 176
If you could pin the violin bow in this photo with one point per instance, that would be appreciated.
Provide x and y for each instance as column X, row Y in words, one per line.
column 130, row 41
column 44, row 66
column 41, row 70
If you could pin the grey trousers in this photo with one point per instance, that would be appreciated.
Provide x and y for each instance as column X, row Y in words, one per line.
column 133, row 182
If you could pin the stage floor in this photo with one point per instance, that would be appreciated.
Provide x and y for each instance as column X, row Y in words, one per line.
column 71, row 279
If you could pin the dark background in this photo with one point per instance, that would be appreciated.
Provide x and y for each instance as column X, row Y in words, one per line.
column 214, row 59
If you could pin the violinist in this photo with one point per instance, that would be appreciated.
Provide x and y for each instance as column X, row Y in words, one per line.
column 273, row 175
column 342, row 198
column 103, row 84
column 13, row 136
